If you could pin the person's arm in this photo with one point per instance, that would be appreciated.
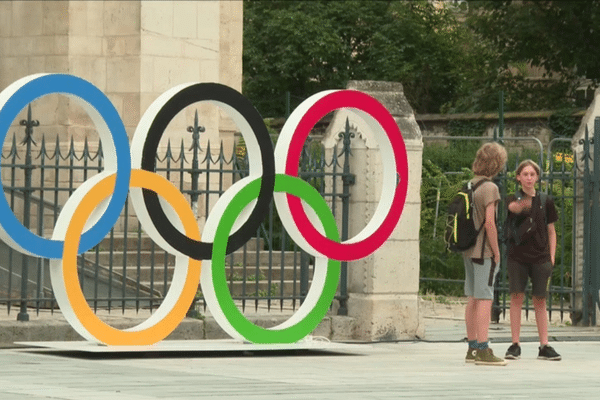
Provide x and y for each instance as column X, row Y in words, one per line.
column 552, row 241
column 519, row 204
column 491, row 231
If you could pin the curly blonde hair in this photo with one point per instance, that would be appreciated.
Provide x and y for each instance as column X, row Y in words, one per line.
column 489, row 160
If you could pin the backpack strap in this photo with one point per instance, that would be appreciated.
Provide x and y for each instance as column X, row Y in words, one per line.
column 544, row 199
column 474, row 188
column 483, row 243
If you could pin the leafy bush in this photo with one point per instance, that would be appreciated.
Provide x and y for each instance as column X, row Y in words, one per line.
column 437, row 190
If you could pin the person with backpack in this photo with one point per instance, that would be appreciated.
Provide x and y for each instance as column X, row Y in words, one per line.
column 482, row 261
column 531, row 242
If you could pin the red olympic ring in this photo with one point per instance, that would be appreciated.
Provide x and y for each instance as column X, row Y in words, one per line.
column 373, row 236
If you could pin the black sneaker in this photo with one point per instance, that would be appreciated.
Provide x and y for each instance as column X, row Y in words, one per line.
column 548, row 353
column 513, row 352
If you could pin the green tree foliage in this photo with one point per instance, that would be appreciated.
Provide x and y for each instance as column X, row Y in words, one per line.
column 557, row 36
column 437, row 190
column 307, row 46
column 448, row 59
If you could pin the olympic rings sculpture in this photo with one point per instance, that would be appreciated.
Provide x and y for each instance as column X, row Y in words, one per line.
column 91, row 211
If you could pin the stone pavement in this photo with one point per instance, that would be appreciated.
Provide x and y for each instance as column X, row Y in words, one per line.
column 367, row 371
column 428, row 367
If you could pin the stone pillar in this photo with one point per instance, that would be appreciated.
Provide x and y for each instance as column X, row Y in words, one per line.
column 230, row 57
column 383, row 288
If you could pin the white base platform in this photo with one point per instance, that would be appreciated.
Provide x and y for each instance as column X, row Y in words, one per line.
column 177, row 346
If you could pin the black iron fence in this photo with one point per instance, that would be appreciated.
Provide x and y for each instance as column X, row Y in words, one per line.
column 127, row 270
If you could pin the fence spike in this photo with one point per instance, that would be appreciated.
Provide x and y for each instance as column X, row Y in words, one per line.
column 57, row 148
column 71, row 153
column 168, row 154
column 182, row 152
column 43, row 150
column 208, row 157
column 86, row 152
column 13, row 148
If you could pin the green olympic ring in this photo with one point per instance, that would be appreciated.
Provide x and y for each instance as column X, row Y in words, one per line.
column 318, row 299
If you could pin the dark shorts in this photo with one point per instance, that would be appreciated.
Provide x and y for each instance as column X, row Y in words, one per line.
column 518, row 273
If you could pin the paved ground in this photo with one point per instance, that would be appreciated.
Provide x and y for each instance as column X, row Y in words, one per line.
column 428, row 368
column 378, row 371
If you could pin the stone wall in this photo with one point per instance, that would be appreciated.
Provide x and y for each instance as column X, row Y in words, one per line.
column 132, row 51
column 531, row 124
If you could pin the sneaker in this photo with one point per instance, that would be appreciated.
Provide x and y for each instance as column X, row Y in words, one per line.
column 513, row 352
column 548, row 353
column 471, row 353
column 487, row 357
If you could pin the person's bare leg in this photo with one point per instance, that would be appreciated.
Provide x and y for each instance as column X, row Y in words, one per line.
column 483, row 310
column 541, row 319
column 470, row 319
column 516, row 303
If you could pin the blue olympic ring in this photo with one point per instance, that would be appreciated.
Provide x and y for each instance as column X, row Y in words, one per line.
column 38, row 86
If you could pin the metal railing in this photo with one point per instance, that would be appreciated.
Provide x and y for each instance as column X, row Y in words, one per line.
column 127, row 270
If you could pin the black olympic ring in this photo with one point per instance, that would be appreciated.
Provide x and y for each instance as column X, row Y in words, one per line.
column 208, row 92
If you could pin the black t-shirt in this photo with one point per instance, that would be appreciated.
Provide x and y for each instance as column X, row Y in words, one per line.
column 536, row 250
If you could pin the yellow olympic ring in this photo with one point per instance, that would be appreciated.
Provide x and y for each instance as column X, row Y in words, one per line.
column 181, row 293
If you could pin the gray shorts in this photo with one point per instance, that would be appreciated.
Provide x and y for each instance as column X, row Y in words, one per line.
column 480, row 278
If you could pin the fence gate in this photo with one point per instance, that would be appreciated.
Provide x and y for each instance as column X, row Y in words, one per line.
column 589, row 164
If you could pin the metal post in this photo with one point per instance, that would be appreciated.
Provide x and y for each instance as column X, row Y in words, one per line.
column 28, row 167
column 501, row 116
column 348, row 180
column 304, row 270
column 587, row 243
column 496, row 307
column 437, row 204
column 498, row 136
column 595, row 237
column 195, row 172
